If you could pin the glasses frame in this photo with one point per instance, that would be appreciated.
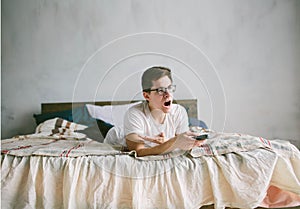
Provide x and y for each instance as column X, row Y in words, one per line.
column 162, row 90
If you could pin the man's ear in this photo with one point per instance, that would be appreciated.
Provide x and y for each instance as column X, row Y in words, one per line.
column 146, row 95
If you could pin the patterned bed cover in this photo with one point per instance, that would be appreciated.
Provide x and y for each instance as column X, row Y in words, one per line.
column 230, row 169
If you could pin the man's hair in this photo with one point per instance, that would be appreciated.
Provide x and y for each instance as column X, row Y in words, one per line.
column 153, row 74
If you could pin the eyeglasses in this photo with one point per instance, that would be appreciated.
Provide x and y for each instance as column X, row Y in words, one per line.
column 161, row 90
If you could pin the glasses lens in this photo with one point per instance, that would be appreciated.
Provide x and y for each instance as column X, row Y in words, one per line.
column 172, row 88
column 161, row 91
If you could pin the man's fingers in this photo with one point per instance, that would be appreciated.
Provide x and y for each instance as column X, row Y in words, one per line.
column 198, row 143
column 157, row 140
column 191, row 134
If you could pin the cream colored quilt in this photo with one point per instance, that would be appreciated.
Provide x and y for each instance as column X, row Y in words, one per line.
column 43, row 170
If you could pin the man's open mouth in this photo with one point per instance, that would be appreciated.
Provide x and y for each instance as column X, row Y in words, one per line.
column 167, row 104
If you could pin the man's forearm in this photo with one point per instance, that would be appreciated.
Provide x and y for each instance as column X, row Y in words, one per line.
column 182, row 141
column 157, row 150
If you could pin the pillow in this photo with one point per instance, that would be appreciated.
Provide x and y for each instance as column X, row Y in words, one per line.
column 103, row 127
column 66, row 115
column 97, row 129
column 81, row 115
column 112, row 114
column 58, row 123
column 196, row 122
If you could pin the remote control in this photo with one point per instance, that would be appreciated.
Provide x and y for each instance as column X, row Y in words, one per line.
column 201, row 137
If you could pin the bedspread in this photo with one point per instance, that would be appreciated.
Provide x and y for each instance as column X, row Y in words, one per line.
column 230, row 170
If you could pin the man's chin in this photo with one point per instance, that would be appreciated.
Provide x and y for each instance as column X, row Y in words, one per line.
column 167, row 109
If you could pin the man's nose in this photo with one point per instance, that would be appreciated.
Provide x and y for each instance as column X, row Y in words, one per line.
column 167, row 94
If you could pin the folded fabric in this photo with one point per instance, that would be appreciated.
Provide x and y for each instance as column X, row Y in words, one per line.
column 221, row 143
column 60, row 128
column 58, row 123
column 96, row 128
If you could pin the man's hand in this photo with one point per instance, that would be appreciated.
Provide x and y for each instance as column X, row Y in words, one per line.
column 159, row 139
column 185, row 141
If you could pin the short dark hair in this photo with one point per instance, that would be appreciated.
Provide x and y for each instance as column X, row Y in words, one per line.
column 153, row 74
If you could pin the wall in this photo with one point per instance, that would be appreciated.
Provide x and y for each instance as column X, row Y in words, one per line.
column 239, row 59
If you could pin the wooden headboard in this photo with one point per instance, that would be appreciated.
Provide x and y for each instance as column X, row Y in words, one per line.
column 189, row 104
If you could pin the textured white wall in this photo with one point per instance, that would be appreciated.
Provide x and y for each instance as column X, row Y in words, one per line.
column 239, row 58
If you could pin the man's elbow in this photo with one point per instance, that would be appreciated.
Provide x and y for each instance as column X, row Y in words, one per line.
column 138, row 148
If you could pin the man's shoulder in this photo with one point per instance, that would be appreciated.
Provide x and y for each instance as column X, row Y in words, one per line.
column 176, row 108
column 135, row 114
column 138, row 108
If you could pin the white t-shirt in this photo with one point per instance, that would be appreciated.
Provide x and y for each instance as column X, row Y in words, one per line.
column 138, row 120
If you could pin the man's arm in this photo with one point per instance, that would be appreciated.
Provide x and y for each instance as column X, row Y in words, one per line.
column 182, row 141
column 134, row 142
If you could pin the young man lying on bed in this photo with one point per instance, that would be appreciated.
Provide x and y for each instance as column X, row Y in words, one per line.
column 158, row 126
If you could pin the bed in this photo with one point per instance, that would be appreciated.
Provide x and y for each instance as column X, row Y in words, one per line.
column 64, row 164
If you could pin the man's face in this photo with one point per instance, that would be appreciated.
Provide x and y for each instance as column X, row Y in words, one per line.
column 157, row 101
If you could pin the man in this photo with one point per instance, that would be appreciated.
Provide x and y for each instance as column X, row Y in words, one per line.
column 158, row 126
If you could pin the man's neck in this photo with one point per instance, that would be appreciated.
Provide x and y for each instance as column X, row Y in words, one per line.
column 158, row 115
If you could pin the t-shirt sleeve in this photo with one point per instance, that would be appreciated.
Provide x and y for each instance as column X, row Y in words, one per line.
column 133, row 122
column 182, row 120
